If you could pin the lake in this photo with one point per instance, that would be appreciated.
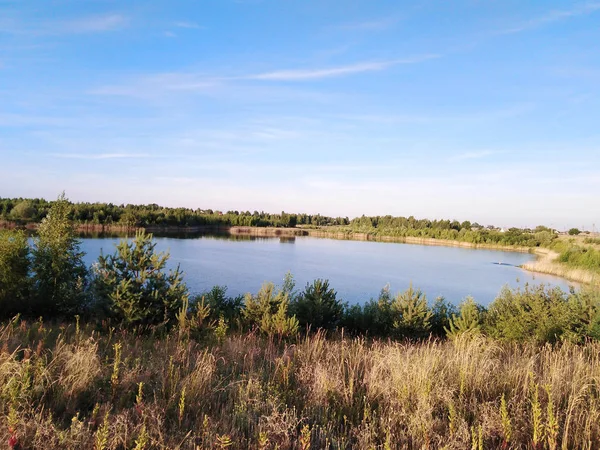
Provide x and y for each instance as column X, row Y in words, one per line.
column 357, row 270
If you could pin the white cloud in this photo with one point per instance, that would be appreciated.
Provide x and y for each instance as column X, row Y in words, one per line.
column 94, row 24
column 101, row 155
column 309, row 74
column 369, row 25
column 553, row 16
column 81, row 25
column 191, row 25
column 472, row 155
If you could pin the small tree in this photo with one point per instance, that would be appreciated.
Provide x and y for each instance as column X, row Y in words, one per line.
column 14, row 273
column 59, row 273
column 574, row 232
column 268, row 311
column 318, row 306
column 442, row 313
column 468, row 321
column 135, row 286
column 412, row 316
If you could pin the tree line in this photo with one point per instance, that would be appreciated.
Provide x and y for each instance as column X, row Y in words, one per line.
column 23, row 211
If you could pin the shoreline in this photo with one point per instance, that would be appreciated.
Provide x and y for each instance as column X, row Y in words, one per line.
column 547, row 263
column 546, row 259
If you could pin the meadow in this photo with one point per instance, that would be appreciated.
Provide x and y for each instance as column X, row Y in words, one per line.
column 82, row 386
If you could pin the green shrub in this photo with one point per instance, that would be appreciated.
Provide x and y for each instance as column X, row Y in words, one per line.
column 59, row 273
column 230, row 308
column 373, row 318
column 411, row 317
column 540, row 313
column 135, row 286
column 468, row 321
column 14, row 273
column 442, row 312
column 317, row 306
column 268, row 312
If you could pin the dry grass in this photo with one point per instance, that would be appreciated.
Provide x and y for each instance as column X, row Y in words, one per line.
column 547, row 262
column 63, row 388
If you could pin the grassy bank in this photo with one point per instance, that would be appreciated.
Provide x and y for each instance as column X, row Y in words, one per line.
column 69, row 387
column 548, row 262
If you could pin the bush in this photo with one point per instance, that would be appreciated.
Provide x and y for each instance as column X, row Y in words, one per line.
column 268, row 312
column 574, row 232
column 538, row 313
column 468, row 321
column 411, row 317
column 318, row 306
column 230, row 308
column 134, row 285
column 442, row 312
column 59, row 273
column 14, row 273
column 373, row 318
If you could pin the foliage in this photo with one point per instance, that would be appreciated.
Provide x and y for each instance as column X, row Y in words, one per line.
column 153, row 215
column 468, row 321
column 539, row 313
column 59, row 273
column 14, row 273
column 580, row 256
column 230, row 308
column 411, row 314
column 373, row 318
column 267, row 311
column 23, row 211
column 134, row 284
column 574, row 232
column 317, row 306
column 442, row 312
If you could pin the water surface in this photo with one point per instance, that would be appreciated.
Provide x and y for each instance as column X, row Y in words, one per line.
column 356, row 269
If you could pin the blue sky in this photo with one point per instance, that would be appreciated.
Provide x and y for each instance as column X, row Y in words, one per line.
column 466, row 109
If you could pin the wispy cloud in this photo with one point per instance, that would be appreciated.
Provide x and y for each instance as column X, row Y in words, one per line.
column 81, row 25
column 310, row 74
column 101, row 155
column 472, row 155
column 183, row 24
column 94, row 24
column 369, row 25
column 553, row 16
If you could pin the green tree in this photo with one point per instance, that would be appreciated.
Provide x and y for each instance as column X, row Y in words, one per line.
column 59, row 273
column 468, row 321
column 268, row 311
column 135, row 286
column 23, row 210
column 442, row 312
column 412, row 316
column 318, row 306
column 574, row 231
column 536, row 313
column 14, row 273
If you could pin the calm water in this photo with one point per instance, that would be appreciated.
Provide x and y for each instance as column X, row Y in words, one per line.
column 357, row 270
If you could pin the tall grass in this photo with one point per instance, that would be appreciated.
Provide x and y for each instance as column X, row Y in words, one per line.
column 66, row 387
